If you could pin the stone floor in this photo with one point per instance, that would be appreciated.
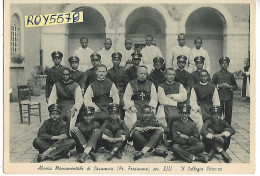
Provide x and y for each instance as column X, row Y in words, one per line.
column 22, row 135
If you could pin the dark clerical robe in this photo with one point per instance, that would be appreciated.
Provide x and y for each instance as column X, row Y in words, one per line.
column 99, row 95
column 54, row 75
column 67, row 95
column 203, row 97
column 78, row 77
column 44, row 141
column 137, row 94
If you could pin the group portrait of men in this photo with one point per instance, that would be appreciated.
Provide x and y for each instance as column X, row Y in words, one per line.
column 114, row 99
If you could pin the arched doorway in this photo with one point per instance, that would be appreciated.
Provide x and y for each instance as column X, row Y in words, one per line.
column 209, row 24
column 143, row 21
column 92, row 27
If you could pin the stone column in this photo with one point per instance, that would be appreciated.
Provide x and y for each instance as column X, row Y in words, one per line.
column 236, row 45
column 171, row 35
column 54, row 38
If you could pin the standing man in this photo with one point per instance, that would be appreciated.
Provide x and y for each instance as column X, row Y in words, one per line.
column 106, row 53
column 149, row 52
column 76, row 75
column 84, row 53
column 100, row 94
column 126, row 54
column 178, row 50
column 54, row 74
column 139, row 92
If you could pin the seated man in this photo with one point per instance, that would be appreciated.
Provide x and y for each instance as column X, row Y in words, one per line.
column 217, row 132
column 147, row 133
column 87, row 134
column 52, row 141
column 115, row 133
column 203, row 96
column 186, row 137
column 138, row 92
column 67, row 93
column 100, row 94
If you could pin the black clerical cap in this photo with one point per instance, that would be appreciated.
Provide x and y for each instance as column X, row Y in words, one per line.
column 116, row 55
column 225, row 58
column 56, row 54
column 73, row 59
column 55, row 107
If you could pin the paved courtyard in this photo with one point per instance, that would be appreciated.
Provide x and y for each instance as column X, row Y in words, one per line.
column 22, row 135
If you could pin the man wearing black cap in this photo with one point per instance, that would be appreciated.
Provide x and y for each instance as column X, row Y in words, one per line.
column 54, row 74
column 157, row 75
column 226, row 85
column 186, row 137
column 118, row 76
column 87, row 134
column 139, row 92
column 52, row 141
column 147, row 133
column 195, row 76
column 68, row 94
column 132, row 71
column 182, row 76
column 76, row 75
column 217, row 133
column 100, row 94
column 115, row 132
column 90, row 74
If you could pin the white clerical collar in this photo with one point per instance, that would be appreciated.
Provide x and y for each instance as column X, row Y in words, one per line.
column 74, row 70
column 203, row 83
column 101, row 79
column 107, row 50
column 169, row 82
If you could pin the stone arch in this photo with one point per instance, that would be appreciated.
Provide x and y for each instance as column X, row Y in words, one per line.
column 100, row 8
column 223, row 13
column 129, row 9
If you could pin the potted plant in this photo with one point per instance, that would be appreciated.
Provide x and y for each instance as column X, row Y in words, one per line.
column 38, row 80
column 18, row 59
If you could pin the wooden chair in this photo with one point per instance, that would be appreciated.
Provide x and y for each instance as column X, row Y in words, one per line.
column 24, row 96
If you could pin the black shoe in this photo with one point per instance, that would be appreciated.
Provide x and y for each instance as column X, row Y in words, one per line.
column 226, row 157
column 111, row 155
column 175, row 157
column 161, row 153
column 119, row 154
column 211, row 155
column 138, row 155
column 93, row 156
column 81, row 158
column 202, row 158
column 40, row 158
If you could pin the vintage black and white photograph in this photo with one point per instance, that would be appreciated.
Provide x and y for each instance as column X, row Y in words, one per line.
column 106, row 83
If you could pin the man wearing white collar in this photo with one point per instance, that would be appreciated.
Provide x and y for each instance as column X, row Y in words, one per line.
column 84, row 52
column 149, row 52
column 100, row 94
column 178, row 50
column 67, row 93
column 204, row 95
column 170, row 93
column 139, row 92
column 106, row 53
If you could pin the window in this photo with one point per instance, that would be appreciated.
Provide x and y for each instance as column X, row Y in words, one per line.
column 15, row 36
